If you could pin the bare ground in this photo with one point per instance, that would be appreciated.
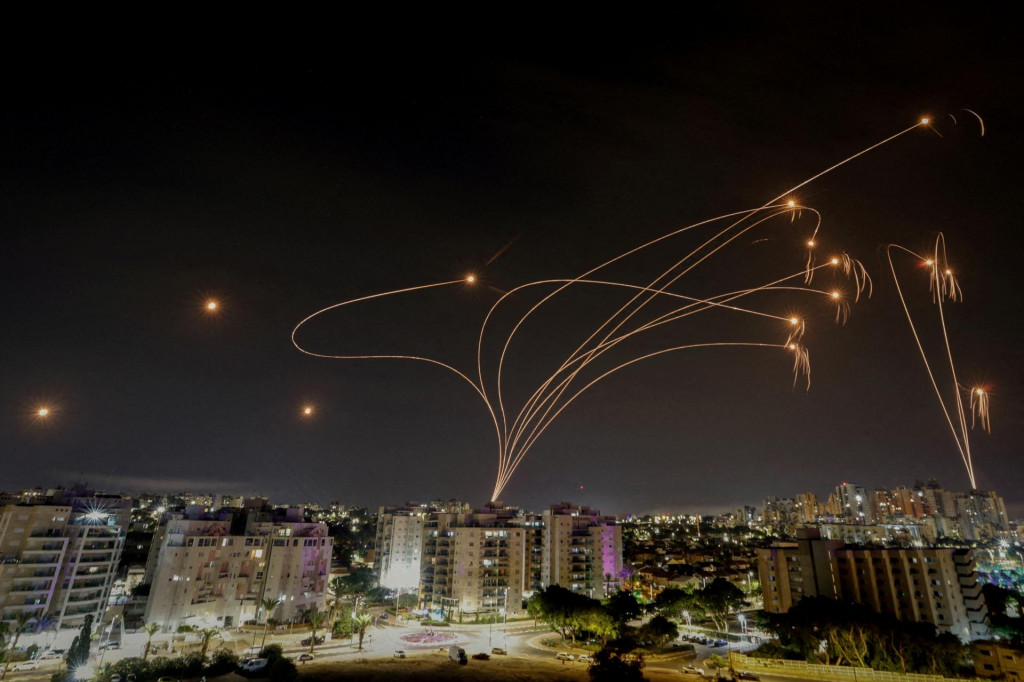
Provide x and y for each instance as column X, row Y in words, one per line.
column 440, row 669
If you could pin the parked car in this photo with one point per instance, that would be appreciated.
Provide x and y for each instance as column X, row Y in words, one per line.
column 252, row 665
column 167, row 679
column 302, row 658
column 481, row 657
column 116, row 677
column 498, row 651
column 584, row 658
column 747, row 675
column 721, row 642
column 252, row 651
column 692, row 670
column 110, row 645
column 51, row 655
column 27, row 665
column 562, row 656
column 309, row 640
column 399, row 653
column 457, row 654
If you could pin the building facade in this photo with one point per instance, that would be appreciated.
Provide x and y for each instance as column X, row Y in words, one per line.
column 59, row 558
column 936, row 585
column 207, row 573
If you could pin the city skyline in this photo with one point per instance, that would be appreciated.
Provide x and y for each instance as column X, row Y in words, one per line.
column 139, row 195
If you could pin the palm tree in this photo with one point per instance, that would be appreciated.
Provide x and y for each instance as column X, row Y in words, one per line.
column 360, row 622
column 268, row 608
column 21, row 621
column 205, row 635
column 151, row 629
column 316, row 618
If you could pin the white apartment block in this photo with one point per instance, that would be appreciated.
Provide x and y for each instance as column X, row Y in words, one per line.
column 398, row 546
column 491, row 560
column 60, row 560
column 580, row 550
column 203, row 575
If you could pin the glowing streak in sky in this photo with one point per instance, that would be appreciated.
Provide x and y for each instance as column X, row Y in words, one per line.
column 557, row 392
column 943, row 285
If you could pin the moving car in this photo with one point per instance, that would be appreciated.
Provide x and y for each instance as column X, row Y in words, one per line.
column 305, row 657
column 458, row 655
column 481, row 657
column 309, row 640
column 399, row 653
column 721, row 642
column 584, row 658
column 747, row 675
column 692, row 670
column 562, row 656
column 27, row 665
column 498, row 651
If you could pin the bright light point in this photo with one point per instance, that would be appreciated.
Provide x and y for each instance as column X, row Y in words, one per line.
column 793, row 320
column 792, row 346
column 43, row 411
column 979, row 391
column 949, row 272
column 925, row 121
column 835, row 261
column 211, row 305
column 810, row 242
column 835, row 294
column 791, row 203
column 471, row 278
column 929, row 262
column 307, row 410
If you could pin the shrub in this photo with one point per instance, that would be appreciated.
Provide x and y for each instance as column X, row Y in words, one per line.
column 222, row 662
column 283, row 670
column 272, row 652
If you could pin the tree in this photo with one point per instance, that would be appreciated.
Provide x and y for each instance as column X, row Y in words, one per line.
column 268, row 606
column 78, row 654
column 613, row 665
column 151, row 629
column 566, row 612
column 623, row 607
column 356, row 584
column 21, row 621
column 205, row 635
column 336, row 590
column 315, row 618
column 719, row 600
column 360, row 622
column 716, row 663
column 659, row 630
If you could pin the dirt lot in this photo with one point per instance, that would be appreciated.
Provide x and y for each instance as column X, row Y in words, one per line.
column 498, row 669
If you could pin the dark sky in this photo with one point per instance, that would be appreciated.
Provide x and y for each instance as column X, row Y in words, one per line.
column 312, row 161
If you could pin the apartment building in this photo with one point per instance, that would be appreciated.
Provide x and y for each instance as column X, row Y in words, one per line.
column 933, row 585
column 490, row 560
column 398, row 544
column 214, row 570
column 580, row 550
column 474, row 562
column 59, row 557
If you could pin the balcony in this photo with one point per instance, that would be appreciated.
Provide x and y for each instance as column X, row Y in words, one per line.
column 35, row 587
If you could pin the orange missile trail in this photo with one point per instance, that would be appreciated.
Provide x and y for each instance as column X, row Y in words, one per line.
column 943, row 285
column 518, row 428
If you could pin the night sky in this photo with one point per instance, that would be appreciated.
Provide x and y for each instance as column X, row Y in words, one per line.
column 310, row 162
